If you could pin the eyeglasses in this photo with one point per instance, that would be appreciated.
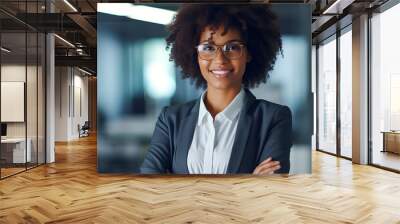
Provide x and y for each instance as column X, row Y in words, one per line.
column 231, row 50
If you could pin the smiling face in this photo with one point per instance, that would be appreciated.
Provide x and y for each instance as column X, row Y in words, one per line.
column 221, row 72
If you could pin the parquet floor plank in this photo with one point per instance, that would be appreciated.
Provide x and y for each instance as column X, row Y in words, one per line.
column 71, row 191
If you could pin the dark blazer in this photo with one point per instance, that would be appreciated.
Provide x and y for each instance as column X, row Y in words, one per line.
column 264, row 130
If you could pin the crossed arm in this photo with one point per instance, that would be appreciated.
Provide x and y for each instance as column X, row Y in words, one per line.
column 275, row 157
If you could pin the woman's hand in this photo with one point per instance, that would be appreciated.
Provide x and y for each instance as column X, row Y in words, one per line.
column 266, row 167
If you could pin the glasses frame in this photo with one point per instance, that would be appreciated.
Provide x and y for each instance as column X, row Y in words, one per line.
column 220, row 47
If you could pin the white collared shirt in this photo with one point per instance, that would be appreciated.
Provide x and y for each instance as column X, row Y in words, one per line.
column 212, row 142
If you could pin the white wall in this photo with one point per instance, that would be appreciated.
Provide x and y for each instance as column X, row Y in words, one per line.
column 14, row 73
column 17, row 73
column 80, row 89
column 62, row 81
column 71, row 93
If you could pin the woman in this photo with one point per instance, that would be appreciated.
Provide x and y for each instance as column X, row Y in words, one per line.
column 226, row 49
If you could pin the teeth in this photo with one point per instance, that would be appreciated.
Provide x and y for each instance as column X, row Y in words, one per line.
column 220, row 72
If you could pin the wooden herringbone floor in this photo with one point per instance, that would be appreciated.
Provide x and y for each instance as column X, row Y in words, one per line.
column 71, row 191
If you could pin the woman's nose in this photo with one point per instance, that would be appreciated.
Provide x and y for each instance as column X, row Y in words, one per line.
column 220, row 56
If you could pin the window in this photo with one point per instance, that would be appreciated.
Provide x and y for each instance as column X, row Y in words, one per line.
column 346, row 93
column 327, row 96
column 385, row 89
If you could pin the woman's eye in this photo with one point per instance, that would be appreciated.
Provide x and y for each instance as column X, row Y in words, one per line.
column 207, row 47
column 232, row 47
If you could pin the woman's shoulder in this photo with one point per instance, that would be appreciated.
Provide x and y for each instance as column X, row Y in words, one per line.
column 265, row 106
column 257, row 105
column 268, row 105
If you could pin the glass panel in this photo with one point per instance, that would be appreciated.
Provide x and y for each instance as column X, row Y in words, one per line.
column 22, row 88
column 385, row 86
column 13, row 87
column 346, row 94
column 327, row 96
column 314, row 90
column 31, row 85
column 31, row 98
column 41, row 98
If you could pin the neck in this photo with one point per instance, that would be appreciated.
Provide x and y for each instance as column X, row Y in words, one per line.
column 217, row 100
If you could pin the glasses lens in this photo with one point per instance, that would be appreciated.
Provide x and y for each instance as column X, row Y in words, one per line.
column 233, row 50
column 207, row 51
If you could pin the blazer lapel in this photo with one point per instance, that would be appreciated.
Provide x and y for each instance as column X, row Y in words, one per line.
column 242, row 135
column 185, row 137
